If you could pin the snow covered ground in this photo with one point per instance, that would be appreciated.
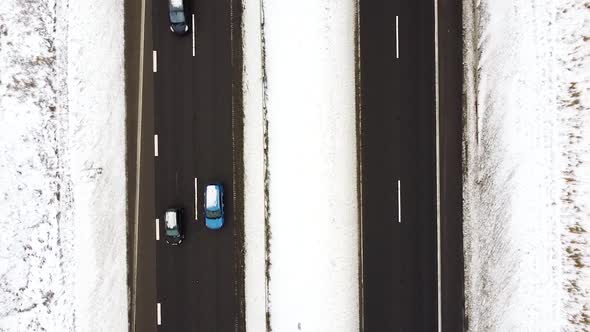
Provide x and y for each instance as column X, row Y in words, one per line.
column 313, row 215
column 308, row 118
column 254, row 158
column 62, row 166
column 527, row 149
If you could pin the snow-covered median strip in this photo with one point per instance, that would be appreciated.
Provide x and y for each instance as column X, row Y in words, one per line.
column 62, row 170
column 254, row 186
column 313, row 212
column 527, row 212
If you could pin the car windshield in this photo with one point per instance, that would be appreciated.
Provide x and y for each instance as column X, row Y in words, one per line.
column 176, row 16
column 172, row 231
column 213, row 214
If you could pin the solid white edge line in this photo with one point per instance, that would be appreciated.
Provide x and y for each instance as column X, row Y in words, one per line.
column 399, row 201
column 193, row 26
column 196, row 199
column 159, row 313
column 155, row 61
column 437, row 130
column 138, row 162
column 360, row 169
column 156, row 145
column 157, row 229
column 396, row 37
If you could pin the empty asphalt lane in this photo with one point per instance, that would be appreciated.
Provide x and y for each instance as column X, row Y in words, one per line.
column 397, row 143
column 198, row 287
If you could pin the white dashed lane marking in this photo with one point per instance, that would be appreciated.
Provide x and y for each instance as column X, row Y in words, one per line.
column 159, row 313
column 399, row 201
column 396, row 37
column 156, row 145
column 157, row 229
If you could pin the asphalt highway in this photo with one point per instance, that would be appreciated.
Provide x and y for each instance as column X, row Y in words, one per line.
column 191, row 102
column 398, row 166
column 198, row 282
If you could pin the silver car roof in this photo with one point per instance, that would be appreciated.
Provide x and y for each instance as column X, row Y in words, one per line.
column 171, row 219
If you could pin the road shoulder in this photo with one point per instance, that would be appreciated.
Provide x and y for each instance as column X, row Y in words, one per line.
column 450, row 67
column 139, row 164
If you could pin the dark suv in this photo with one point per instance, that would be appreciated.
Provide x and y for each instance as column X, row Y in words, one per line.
column 173, row 220
column 177, row 16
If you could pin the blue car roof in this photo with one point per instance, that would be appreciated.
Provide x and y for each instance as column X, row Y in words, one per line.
column 212, row 197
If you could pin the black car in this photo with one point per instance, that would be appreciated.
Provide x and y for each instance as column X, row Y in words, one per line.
column 177, row 16
column 173, row 220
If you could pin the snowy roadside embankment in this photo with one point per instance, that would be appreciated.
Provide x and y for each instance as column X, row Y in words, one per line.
column 62, row 166
column 527, row 150
column 36, row 224
column 96, row 102
column 311, row 158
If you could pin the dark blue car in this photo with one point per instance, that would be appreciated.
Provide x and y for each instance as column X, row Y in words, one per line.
column 214, row 206
column 173, row 222
column 177, row 16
